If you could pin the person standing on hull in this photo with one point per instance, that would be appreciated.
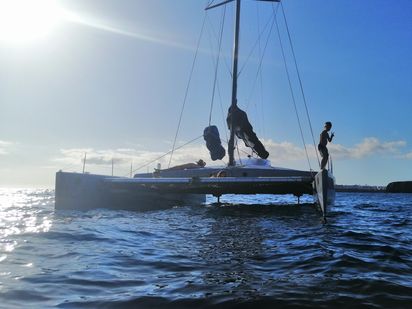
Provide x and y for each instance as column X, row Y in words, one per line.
column 323, row 141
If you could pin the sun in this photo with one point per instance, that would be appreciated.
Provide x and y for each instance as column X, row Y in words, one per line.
column 24, row 21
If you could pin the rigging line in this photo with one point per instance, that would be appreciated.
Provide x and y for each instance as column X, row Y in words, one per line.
column 217, row 64
column 261, row 75
column 216, row 36
column 292, row 94
column 71, row 165
column 238, row 154
column 237, row 150
column 241, row 150
column 222, row 110
column 255, row 45
column 211, row 47
column 164, row 155
column 214, row 56
column 187, row 87
column 261, row 59
column 218, row 88
column 300, row 81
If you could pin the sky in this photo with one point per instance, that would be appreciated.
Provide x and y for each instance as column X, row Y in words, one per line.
column 108, row 79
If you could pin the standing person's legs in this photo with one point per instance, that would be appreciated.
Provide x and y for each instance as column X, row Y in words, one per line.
column 325, row 156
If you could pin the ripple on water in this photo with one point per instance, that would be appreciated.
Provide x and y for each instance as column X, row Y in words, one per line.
column 237, row 255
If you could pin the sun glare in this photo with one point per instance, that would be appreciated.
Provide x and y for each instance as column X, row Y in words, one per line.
column 24, row 21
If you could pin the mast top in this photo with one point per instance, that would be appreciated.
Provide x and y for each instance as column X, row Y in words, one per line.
column 212, row 6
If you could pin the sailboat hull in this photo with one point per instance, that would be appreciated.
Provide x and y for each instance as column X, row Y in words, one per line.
column 168, row 188
column 324, row 190
column 88, row 191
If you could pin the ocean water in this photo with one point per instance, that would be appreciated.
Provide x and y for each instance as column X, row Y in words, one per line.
column 237, row 255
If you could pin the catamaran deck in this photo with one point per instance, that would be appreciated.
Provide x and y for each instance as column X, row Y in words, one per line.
column 217, row 185
column 86, row 191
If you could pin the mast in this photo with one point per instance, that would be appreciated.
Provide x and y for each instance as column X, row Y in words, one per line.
column 231, row 146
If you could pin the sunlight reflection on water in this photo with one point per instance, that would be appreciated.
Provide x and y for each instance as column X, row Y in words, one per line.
column 21, row 211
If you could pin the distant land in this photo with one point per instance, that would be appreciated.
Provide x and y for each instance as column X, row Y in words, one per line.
column 393, row 187
column 359, row 188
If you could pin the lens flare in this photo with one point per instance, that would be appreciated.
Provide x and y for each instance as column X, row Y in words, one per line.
column 24, row 21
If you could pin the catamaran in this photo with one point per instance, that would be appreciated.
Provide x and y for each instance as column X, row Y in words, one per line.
column 190, row 184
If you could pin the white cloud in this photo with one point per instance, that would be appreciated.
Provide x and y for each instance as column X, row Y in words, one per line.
column 4, row 146
column 286, row 151
column 369, row 146
column 407, row 156
column 280, row 153
column 141, row 159
column 96, row 157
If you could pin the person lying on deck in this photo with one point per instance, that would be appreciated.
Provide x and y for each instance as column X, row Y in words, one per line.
column 186, row 166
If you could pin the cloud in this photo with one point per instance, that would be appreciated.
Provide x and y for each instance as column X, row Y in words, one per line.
column 407, row 156
column 97, row 157
column 280, row 153
column 125, row 157
column 369, row 146
column 4, row 146
column 286, row 151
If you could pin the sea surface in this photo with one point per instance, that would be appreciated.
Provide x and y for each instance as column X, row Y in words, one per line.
column 235, row 255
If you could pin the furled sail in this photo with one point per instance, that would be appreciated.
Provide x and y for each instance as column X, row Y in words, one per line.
column 244, row 130
column 213, row 143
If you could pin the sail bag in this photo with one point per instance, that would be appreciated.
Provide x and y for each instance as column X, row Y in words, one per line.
column 244, row 130
column 213, row 143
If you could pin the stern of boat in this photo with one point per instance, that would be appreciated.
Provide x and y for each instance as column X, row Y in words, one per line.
column 324, row 190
